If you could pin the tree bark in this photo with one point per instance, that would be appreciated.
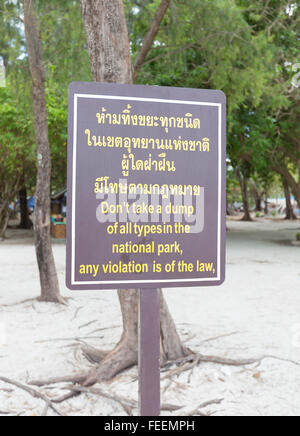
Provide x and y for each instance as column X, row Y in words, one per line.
column 244, row 188
column 289, row 208
column 109, row 49
column 108, row 41
column 8, row 192
column 149, row 39
column 247, row 215
column 45, row 259
column 296, row 192
column 257, row 198
column 258, row 207
column 25, row 222
column 290, row 179
column 4, row 219
column 266, row 209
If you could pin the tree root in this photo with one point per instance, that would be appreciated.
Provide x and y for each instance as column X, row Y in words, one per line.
column 124, row 356
column 79, row 378
column 7, row 412
column 59, row 301
column 33, row 393
column 75, row 390
column 28, row 300
column 121, row 358
column 193, row 360
column 110, row 364
column 125, row 403
column 129, row 405
column 93, row 355
column 197, row 410
column 190, row 362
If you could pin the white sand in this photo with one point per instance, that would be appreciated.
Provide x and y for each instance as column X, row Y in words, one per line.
column 259, row 303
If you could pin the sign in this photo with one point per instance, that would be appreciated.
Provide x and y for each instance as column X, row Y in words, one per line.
column 146, row 187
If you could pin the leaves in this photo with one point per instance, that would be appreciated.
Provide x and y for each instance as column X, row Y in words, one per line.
column 245, row 48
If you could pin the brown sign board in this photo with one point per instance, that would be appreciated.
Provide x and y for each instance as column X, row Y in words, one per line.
column 146, row 187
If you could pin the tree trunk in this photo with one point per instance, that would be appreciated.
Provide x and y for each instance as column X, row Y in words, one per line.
column 258, row 207
column 45, row 259
column 244, row 188
column 8, row 193
column 25, row 222
column 266, row 209
column 4, row 219
column 257, row 198
column 289, row 208
column 290, row 179
column 296, row 192
column 107, row 40
column 247, row 215
column 109, row 50
column 149, row 39
column 4, row 225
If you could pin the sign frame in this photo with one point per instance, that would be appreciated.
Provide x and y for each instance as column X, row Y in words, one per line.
column 131, row 93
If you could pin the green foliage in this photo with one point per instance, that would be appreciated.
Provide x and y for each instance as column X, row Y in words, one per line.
column 57, row 114
column 210, row 45
column 64, row 44
column 15, row 138
column 17, row 153
column 66, row 60
column 245, row 48
column 11, row 41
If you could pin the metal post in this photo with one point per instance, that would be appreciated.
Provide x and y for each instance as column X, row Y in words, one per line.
column 149, row 352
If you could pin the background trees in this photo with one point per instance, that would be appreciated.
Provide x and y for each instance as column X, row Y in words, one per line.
column 45, row 258
column 245, row 48
column 16, row 156
column 109, row 49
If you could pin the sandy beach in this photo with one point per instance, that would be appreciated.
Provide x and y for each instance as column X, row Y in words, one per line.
column 255, row 313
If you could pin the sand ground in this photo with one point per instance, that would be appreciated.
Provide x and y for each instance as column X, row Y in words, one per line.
column 256, row 312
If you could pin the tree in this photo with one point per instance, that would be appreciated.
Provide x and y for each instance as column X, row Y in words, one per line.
column 257, row 194
column 109, row 50
column 149, row 38
column 191, row 52
column 16, row 155
column 10, row 35
column 18, row 133
column 25, row 222
column 279, row 21
column 290, row 215
column 201, row 65
column 286, row 154
column 48, row 275
column 60, row 33
column 243, row 176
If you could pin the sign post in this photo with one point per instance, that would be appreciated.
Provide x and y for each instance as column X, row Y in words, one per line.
column 149, row 352
column 146, row 199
